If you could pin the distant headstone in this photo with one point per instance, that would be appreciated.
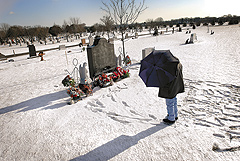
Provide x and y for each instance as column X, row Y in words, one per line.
column 90, row 40
column 146, row 52
column 32, row 50
column 126, row 36
column 193, row 38
column 62, row 47
column 2, row 57
column 83, row 41
column 111, row 40
column 101, row 57
column 136, row 35
column 155, row 31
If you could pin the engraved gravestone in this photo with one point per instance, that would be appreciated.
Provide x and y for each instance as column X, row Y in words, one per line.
column 193, row 38
column 32, row 50
column 101, row 57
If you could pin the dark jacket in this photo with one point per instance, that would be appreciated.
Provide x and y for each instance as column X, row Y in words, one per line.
column 174, row 87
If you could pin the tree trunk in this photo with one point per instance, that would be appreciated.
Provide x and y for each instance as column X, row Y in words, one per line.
column 123, row 45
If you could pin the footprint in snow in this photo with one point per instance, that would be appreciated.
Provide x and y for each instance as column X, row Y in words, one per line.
column 125, row 103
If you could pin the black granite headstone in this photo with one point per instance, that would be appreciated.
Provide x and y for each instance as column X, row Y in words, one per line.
column 32, row 50
column 101, row 57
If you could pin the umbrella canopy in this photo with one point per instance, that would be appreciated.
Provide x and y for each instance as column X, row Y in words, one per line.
column 158, row 68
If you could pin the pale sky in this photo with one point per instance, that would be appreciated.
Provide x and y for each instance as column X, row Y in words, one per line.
column 48, row 12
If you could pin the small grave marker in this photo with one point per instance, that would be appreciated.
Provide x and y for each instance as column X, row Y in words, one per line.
column 146, row 52
column 62, row 47
column 193, row 38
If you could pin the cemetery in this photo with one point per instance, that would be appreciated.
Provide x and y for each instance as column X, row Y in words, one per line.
column 103, row 69
column 112, row 114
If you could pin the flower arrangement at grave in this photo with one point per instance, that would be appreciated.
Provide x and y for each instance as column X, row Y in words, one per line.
column 75, row 93
column 119, row 73
column 104, row 80
column 123, row 73
column 86, row 88
column 41, row 55
column 68, row 81
column 127, row 60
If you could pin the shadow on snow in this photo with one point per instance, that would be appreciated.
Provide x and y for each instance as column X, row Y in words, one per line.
column 38, row 102
column 118, row 145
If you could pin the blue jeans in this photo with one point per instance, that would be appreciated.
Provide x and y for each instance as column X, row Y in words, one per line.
column 172, row 108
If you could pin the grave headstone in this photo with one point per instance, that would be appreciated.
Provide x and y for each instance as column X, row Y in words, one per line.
column 126, row 36
column 62, row 47
column 146, row 52
column 111, row 40
column 32, row 50
column 83, row 41
column 193, row 38
column 101, row 57
column 136, row 35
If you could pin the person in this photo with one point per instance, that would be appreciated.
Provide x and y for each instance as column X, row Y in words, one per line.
column 169, row 92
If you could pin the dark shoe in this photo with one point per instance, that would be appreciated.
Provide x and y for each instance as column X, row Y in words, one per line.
column 168, row 121
column 176, row 118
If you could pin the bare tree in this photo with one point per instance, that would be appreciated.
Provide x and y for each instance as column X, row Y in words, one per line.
column 76, row 26
column 150, row 24
column 74, row 20
column 108, row 23
column 123, row 13
column 65, row 28
column 4, row 28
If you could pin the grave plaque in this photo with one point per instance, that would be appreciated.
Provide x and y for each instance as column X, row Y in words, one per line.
column 146, row 52
column 101, row 57
column 193, row 38
column 32, row 50
column 62, row 47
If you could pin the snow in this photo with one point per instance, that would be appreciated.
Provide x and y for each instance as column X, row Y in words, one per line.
column 124, row 121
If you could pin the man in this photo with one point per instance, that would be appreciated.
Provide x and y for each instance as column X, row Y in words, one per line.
column 169, row 92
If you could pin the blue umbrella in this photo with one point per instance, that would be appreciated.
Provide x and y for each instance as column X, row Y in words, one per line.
column 158, row 68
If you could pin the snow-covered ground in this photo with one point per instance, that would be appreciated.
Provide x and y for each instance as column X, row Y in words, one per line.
column 124, row 121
